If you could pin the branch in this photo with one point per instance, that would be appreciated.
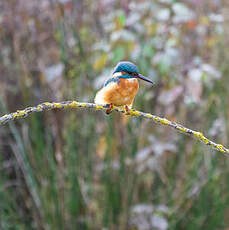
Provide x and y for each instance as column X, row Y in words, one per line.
column 134, row 113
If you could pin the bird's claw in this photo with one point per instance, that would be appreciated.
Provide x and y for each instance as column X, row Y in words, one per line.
column 127, row 110
column 109, row 110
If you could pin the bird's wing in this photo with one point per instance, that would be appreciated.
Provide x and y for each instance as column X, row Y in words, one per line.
column 113, row 79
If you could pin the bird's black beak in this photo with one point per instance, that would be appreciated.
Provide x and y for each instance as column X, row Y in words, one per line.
column 140, row 76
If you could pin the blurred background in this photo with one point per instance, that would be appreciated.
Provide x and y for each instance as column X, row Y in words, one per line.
column 81, row 169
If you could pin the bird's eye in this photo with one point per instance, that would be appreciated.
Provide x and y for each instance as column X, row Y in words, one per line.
column 135, row 74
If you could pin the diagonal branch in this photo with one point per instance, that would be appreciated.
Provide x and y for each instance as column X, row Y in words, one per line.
column 74, row 104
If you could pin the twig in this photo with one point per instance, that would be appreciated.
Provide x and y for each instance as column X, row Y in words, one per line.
column 74, row 104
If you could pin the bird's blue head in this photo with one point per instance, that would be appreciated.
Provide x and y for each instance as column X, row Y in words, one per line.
column 126, row 66
column 129, row 70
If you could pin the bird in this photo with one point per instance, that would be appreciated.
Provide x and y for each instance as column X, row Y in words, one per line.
column 122, row 87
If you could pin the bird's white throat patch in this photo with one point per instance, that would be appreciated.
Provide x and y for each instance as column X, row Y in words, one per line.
column 131, row 79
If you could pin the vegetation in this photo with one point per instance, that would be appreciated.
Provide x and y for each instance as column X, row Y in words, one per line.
column 86, row 170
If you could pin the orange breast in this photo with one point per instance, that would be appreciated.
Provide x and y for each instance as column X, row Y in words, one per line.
column 122, row 93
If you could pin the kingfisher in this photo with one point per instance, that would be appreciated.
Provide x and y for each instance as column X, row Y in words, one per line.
column 122, row 87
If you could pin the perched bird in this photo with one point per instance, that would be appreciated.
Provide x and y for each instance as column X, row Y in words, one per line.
column 122, row 87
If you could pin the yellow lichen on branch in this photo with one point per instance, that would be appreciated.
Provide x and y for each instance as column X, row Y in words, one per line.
column 74, row 104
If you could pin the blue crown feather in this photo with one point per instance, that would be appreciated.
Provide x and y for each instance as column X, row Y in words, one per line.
column 126, row 66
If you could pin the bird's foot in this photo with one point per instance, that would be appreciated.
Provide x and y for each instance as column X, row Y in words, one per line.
column 108, row 111
column 127, row 110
